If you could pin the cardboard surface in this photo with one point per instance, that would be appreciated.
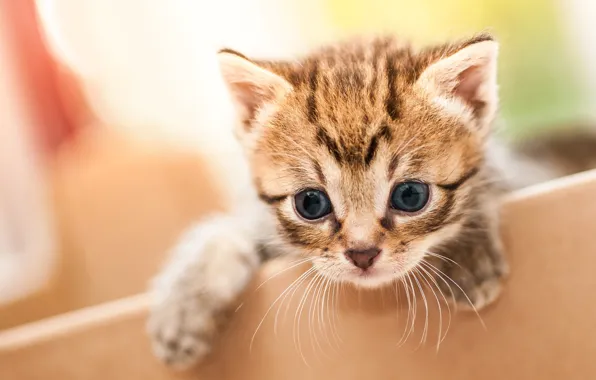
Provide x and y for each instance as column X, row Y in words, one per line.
column 542, row 327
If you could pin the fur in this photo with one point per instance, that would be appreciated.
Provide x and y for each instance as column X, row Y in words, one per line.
column 352, row 119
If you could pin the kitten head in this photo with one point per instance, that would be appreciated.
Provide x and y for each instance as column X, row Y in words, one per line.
column 367, row 152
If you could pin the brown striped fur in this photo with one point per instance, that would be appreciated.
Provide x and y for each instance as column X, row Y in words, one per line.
column 353, row 119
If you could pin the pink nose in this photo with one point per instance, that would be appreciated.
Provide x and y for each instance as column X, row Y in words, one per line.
column 363, row 258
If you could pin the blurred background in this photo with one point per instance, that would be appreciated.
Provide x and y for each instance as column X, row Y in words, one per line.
column 115, row 129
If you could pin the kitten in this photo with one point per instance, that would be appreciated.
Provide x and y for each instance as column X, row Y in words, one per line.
column 368, row 157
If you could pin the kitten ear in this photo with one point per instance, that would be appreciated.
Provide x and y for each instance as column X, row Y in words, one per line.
column 468, row 80
column 250, row 85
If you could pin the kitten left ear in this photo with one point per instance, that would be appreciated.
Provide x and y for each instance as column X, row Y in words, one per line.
column 468, row 80
column 250, row 85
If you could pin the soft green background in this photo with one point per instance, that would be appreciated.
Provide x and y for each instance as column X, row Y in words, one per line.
column 540, row 86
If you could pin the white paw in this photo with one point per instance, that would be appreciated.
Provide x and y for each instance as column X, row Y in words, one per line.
column 181, row 334
column 209, row 268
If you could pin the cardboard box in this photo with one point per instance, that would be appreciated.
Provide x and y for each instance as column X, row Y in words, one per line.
column 541, row 328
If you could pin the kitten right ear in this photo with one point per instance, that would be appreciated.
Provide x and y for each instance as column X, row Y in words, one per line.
column 466, row 76
column 250, row 85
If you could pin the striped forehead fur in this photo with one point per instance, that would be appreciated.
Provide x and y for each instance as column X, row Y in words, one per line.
column 358, row 85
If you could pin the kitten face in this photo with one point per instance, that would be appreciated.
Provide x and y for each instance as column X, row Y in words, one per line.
column 367, row 152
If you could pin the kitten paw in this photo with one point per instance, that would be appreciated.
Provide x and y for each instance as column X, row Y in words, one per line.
column 180, row 336
column 481, row 295
column 210, row 267
column 479, row 283
column 474, row 273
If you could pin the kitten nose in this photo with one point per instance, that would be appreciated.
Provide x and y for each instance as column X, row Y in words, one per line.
column 363, row 258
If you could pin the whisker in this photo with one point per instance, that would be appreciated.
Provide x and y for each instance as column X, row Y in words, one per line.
column 298, row 317
column 293, row 264
column 414, row 303
column 426, row 277
column 312, row 311
column 296, row 284
column 325, row 324
column 299, row 146
column 412, row 152
column 396, row 292
column 446, row 284
column 290, row 300
column 329, row 305
column 439, row 272
column 403, row 146
column 287, row 155
column 442, row 257
column 409, row 320
column 336, row 290
column 425, row 330
column 279, row 178
column 273, row 304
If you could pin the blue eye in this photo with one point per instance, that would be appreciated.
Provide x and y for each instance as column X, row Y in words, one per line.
column 410, row 196
column 312, row 204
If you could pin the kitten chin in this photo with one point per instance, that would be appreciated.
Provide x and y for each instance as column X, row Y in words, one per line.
column 372, row 279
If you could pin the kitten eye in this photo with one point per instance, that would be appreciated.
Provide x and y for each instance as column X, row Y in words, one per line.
column 410, row 196
column 312, row 204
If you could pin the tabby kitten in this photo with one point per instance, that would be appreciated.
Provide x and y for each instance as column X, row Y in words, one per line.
column 368, row 157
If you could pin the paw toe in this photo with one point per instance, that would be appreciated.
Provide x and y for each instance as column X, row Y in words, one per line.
column 181, row 353
column 482, row 295
column 179, row 342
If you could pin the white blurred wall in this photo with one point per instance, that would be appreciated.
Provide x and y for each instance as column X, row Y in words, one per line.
column 26, row 243
column 148, row 69
column 149, row 65
column 579, row 19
